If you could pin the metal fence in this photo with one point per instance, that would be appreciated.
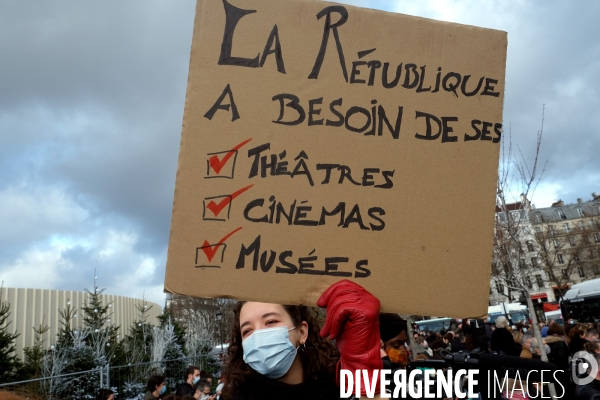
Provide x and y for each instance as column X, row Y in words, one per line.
column 128, row 382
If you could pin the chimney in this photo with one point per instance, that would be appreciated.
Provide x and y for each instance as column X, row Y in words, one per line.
column 594, row 195
column 533, row 206
column 579, row 200
column 559, row 203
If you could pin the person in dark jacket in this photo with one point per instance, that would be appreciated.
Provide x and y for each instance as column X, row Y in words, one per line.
column 579, row 338
column 502, row 340
column 458, row 343
column 156, row 388
column 191, row 376
column 559, row 356
column 392, row 331
column 591, row 391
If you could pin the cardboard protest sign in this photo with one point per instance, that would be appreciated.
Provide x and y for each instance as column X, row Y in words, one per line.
column 323, row 142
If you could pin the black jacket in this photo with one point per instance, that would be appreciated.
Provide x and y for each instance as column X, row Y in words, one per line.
column 258, row 387
column 502, row 341
column 559, row 352
column 590, row 391
column 576, row 344
column 184, row 389
column 457, row 346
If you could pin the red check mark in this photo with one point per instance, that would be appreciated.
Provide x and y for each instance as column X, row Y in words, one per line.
column 218, row 164
column 210, row 250
column 216, row 208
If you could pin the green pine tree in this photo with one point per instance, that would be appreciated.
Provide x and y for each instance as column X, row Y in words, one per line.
column 34, row 355
column 97, row 319
column 97, row 315
column 67, row 315
column 9, row 362
column 139, row 340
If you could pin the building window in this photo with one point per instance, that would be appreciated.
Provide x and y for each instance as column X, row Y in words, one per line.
column 528, row 282
column 552, row 230
column 556, row 244
column 561, row 214
column 597, row 237
column 544, row 247
column 567, row 228
column 539, row 281
column 499, row 288
column 534, row 261
column 581, row 225
column 530, row 246
column 586, row 239
column 580, row 212
column 591, row 254
column 572, row 241
column 537, row 218
column 514, row 215
column 538, row 229
column 565, row 273
column 581, row 272
column 560, row 258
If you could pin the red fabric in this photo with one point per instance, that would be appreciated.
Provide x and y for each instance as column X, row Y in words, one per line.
column 551, row 307
column 352, row 320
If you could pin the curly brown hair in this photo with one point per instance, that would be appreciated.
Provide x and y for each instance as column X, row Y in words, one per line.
column 556, row 329
column 575, row 332
column 319, row 356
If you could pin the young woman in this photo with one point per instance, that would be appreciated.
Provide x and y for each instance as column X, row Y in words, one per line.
column 277, row 351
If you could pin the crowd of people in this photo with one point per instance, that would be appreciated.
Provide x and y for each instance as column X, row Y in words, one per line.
column 560, row 343
column 197, row 385
column 281, row 352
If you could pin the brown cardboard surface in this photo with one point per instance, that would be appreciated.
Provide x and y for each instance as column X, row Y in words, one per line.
column 418, row 211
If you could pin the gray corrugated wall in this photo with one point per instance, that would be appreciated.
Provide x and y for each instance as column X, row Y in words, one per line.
column 29, row 306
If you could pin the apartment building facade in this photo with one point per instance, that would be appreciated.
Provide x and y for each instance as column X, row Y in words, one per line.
column 552, row 248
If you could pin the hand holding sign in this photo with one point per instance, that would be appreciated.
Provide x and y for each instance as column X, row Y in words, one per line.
column 352, row 320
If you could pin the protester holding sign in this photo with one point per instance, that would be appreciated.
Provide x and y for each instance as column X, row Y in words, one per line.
column 277, row 351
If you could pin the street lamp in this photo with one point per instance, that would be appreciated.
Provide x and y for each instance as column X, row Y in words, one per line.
column 219, row 316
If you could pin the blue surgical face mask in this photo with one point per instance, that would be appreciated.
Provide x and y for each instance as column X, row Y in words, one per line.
column 195, row 380
column 164, row 389
column 269, row 351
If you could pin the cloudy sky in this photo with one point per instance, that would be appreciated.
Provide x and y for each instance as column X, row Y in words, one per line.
column 91, row 103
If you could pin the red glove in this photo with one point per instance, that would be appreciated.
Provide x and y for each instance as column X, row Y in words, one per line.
column 353, row 321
